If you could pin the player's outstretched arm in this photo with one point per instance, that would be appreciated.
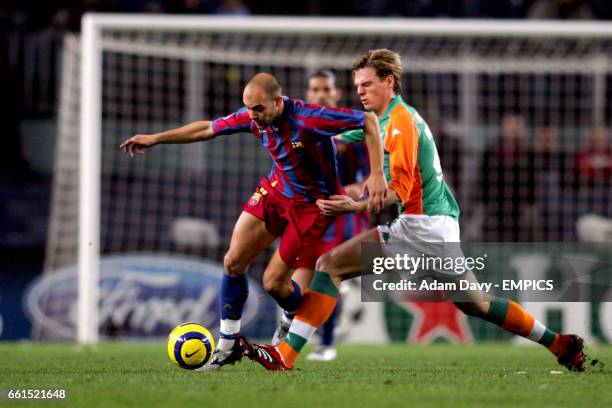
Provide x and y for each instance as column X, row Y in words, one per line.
column 343, row 204
column 376, row 184
column 193, row 132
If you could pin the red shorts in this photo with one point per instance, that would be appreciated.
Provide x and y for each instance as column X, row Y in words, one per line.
column 301, row 226
column 343, row 228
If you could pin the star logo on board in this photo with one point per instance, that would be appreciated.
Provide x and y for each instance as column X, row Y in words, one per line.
column 437, row 319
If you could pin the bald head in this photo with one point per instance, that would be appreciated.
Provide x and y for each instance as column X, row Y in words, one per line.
column 264, row 82
column 263, row 99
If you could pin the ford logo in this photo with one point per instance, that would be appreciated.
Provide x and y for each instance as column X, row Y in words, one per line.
column 140, row 296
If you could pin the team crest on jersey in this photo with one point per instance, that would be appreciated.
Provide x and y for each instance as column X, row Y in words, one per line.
column 254, row 199
column 297, row 145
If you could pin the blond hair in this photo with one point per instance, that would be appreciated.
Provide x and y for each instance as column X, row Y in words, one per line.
column 385, row 63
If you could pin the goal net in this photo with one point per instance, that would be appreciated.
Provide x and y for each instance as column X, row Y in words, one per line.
column 518, row 114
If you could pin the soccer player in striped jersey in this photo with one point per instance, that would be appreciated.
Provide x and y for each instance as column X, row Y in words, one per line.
column 298, row 137
column 431, row 215
column 353, row 168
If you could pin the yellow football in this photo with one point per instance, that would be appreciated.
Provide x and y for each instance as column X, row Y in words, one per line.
column 190, row 345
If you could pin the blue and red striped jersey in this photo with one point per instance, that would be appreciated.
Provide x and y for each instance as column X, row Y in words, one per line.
column 353, row 167
column 353, row 162
column 301, row 146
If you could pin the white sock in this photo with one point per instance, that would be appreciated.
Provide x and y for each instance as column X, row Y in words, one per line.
column 229, row 330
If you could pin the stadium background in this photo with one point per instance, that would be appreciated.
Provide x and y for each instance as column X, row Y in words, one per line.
column 521, row 126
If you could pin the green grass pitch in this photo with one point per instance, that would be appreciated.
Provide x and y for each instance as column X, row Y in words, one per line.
column 141, row 375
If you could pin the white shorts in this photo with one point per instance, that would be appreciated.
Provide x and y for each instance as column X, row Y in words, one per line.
column 433, row 236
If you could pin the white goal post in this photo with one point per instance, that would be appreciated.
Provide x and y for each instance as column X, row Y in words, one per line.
column 92, row 46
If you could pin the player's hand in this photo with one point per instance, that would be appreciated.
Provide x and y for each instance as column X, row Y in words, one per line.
column 354, row 190
column 135, row 144
column 375, row 188
column 339, row 204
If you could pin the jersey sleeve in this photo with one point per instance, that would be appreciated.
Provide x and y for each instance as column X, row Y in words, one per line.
column 352, row 136
column 236, row 122
column 402, row 143
column 324, row 121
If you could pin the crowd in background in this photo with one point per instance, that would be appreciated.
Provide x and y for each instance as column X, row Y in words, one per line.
column 65, row 14
column 532, row 189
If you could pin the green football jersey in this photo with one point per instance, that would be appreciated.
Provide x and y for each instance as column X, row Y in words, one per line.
column 403, row 130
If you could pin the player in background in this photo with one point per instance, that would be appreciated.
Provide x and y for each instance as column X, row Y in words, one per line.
column 353, row 168
column 430, row 215
column 298, row 137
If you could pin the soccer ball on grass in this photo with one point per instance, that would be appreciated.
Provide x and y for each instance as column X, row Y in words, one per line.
column 190, row 346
